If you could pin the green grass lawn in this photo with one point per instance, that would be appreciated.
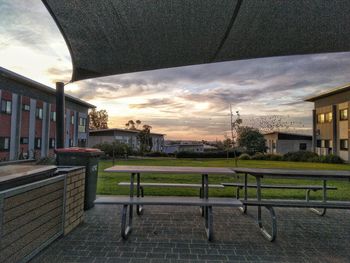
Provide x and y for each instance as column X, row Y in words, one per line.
column 108, row 182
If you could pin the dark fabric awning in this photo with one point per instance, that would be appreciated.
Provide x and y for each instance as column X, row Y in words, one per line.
column 108, row 37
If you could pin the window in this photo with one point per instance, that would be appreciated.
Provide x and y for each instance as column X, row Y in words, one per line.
column 329, row 117
column 39, row 113
column 26, row 107
column 82, row 125
column 24, row 140
column 4, row 143
column 53, row 116
column 52, row 143
column 327, row 144
column 81, row 142
column 302, row 146
column 320, row 118
column 37, row 143
column 6, row 106
column 344, row 144
column 318, row 143
column 72, row 119
column 343, row 114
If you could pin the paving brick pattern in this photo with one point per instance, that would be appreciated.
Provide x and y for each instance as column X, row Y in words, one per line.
column 176, row 235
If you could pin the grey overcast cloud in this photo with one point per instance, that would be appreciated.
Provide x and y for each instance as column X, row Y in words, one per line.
column 184, row 103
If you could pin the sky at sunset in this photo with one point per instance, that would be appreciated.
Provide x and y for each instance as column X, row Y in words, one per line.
column 184, row 103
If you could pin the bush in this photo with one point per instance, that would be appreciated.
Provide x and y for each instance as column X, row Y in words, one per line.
column 258, row 156
column 331, row 158
column 119, row 149
column 156, row 154
column 273, row 157
column 300, row 156
column 216, row 154
column 244, row 156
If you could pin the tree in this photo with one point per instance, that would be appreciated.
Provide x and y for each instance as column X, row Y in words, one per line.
column 251, row 139
column 235, row 125
column 98, row 120
column 132, row 125
column 144, row 137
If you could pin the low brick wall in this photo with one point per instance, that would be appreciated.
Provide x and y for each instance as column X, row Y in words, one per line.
column 74, row 207
column 35, row 214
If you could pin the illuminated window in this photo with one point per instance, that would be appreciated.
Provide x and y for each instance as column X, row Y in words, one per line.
column 320, row 118
column 343, row 114
column 329, row 117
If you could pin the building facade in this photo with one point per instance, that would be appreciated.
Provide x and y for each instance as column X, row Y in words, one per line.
column 282, row 142
column 124, row 136
column 331, row 122
column 28, row 118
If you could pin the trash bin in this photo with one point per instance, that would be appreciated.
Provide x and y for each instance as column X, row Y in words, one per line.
column 87, row 157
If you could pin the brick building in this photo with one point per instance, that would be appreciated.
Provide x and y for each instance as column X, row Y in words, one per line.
column 28, row 118
column 331, row 122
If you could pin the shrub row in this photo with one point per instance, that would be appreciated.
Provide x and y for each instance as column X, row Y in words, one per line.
column 213, row 154
column 300, row 156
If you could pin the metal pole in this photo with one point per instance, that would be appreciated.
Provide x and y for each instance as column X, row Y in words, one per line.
column 60, row 110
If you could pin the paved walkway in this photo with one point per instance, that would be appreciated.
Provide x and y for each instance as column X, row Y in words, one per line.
column 176, row 234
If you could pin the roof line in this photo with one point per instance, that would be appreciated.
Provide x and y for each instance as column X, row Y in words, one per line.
column 327, row 93
column 37, row 85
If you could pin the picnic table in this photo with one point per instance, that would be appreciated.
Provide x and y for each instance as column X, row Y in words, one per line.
column 205, row 202
column 259, row 174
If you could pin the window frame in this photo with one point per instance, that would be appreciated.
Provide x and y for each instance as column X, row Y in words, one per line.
column 5, row 144
column 38, row 139
column 39, row 113
column 6, row 106
column 22, row 140
column 342, row 146
column 25, row 107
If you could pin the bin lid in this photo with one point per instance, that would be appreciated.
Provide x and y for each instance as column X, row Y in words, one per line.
column 78, row 150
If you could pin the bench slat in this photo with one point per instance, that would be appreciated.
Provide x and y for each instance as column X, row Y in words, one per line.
column 281, row 186
column 299, row 203
column 162, row 200
column 172, row 185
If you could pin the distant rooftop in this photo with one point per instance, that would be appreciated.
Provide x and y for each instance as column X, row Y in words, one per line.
column 39, row 86
column 119, row 129
column 290, row 136
column 330, row 92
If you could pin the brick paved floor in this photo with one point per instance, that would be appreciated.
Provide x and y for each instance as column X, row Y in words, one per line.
column 176, row 234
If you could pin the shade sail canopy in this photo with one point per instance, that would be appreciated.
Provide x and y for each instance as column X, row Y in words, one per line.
column 107, row 37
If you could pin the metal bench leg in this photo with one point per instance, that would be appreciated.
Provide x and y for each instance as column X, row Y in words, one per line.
column 243, row 208
column 322, row 211
column 139, row 190
column 209, row 223
column 271, row 237
column 201, row 195
column 126, row 228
